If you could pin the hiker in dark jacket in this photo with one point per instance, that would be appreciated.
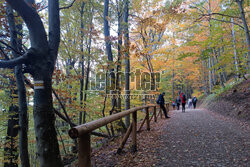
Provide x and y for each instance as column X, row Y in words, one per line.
column 194, row 101
column 178, row 102
column 183, row 101
column 161, row 102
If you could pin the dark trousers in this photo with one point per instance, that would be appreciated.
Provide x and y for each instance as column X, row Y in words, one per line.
column 194, row 104
column 183, row 107
column 178, row 106
column 164, row 110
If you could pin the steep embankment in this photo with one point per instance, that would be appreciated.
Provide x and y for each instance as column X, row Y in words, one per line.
column 234, row 102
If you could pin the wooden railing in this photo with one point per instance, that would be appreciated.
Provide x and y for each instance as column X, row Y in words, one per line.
column 82, row 132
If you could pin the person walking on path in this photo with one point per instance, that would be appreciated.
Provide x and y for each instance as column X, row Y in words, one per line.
column 183, row 101
column 189, row 103
column 194, row 101
column 161, row 102
column 173, row 105
column 178, row 102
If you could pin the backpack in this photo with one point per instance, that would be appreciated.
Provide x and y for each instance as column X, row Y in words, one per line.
column 158, row 100
column 194, row 99
column 184, row 97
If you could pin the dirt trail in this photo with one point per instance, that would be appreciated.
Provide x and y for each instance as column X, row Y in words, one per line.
column 194, row 138
column 203, row 138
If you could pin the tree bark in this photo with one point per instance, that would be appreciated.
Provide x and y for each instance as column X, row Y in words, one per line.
column 109, row 51
column 173, row 97
column 243, row 18
column 89, row 44
column 81, row 64
column 235, row 51
column 11, row 143
column 127, row 61
column 41, row 59
column 23, row 116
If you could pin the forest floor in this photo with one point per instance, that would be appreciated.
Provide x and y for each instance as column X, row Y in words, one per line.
column 197, row 137
column 234, row 102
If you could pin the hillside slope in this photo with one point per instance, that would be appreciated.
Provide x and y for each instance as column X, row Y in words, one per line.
column 234, row 102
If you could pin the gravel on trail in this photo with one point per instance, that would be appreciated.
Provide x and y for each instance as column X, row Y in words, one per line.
column 203, row 138
column 195, row 138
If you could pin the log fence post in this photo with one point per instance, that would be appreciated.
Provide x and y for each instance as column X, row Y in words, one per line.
column 134, row 129
column 142, row 124
column 124, row 140
column 84, row 151
column 82, row 132
column 155, row 117
column 147, row 119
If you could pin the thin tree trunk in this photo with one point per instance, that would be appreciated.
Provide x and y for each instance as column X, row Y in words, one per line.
column 119, row 55
column 127, row 61
column 209, row 59
column 213, row 71
column 109, row 50
column 210, row 74
column 204, row 77
column 11, row 142
column 82, row 65
column 243, row 18
column 234, row 46
column 173, row 97
column 220, row 74
column 23, row 116
column 88, row 65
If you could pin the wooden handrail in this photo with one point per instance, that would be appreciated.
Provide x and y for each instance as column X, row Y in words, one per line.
column 82, row 132
column 79, row 130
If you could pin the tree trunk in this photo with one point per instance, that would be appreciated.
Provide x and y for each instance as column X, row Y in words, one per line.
column 173, row 97
column 11, row 143
column 88, row 65
column 23, row 116
column 82, row 65
column 243, row 18
column 109, row 50
column 44, row 117
column 41, row 59
column 234, row 46
column 220, row 74
column 127, row 61
column 210, row 74
column 214, row 71
column 204, row 77
column 119, row 55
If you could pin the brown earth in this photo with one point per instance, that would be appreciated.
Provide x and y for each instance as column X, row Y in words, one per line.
column 198, row 137
column 234, row 102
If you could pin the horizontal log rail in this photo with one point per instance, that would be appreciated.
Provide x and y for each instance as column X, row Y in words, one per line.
column 82, row 132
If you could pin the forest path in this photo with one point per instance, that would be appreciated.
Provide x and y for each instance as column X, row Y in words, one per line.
column 195, row 138
column 204, row 138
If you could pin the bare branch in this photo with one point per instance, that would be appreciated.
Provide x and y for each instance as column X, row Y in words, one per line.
column 228, row 22
column 63, row 107
column 8, row 46
column 220, row 15
column 70, row 5
column 5, row 55
column 14, row 62
column 42, row 9
column 38, row 36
